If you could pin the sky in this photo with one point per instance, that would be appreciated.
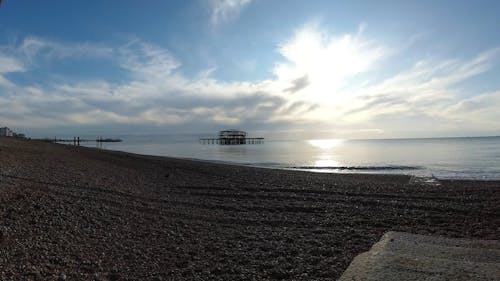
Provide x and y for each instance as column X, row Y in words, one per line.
column 313, row 69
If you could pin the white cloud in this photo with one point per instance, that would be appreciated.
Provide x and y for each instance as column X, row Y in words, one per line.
column 223, row 11
column 153, row 94
column 6, row 83
column 425, row 89
column 34, row 47
column 483, row 109
column 147, row 60
column 10, row 64
column 425, row 96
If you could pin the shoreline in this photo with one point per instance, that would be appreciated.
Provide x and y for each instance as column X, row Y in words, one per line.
column 357, row 170
column 99, row 214
column 417, row 169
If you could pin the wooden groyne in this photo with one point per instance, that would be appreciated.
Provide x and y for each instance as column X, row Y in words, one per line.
column 77, row 140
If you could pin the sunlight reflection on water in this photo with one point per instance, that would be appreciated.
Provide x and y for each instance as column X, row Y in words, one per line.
column 475, row 158
column 326, row 143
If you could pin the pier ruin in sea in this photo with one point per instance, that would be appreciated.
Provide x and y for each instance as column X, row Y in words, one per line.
column 231, row 137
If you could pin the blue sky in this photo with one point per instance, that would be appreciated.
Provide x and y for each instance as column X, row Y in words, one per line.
column 334, row 69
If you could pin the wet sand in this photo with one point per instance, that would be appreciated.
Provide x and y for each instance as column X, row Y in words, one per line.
column 78, row 213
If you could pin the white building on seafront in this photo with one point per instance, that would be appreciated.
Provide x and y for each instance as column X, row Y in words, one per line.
column 6, row 132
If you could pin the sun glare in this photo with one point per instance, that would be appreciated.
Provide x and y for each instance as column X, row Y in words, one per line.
column 328, row 62
column 325, row 143
column 322, row 163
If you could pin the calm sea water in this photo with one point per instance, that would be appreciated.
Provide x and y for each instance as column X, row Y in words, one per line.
column 464, row 158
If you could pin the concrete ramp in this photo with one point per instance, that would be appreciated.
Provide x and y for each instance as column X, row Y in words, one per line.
column 405, row 256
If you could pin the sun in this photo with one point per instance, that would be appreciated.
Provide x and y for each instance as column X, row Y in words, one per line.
column 329, row 61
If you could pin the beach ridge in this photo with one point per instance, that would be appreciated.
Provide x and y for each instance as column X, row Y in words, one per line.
column 82, row 213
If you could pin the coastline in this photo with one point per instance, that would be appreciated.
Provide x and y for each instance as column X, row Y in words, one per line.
column 110, row 215
column 442, row 158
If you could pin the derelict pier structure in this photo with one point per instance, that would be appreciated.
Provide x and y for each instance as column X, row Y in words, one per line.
column 231, row 137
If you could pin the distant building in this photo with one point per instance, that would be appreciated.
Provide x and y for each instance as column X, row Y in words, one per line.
column 6, row 132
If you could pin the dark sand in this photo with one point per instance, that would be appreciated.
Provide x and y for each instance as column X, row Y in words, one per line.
column 83, row 214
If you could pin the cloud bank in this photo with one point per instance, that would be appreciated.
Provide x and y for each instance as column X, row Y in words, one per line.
column 322, row 83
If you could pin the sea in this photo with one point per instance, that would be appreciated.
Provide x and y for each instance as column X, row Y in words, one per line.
column 439, row 158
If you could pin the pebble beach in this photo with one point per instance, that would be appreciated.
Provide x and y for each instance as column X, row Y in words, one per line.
column 77, row 213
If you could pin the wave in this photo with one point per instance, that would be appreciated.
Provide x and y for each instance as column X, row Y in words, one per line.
column 359, row 168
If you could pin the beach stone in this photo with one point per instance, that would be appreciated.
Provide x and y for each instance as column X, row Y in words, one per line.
column 405, row 256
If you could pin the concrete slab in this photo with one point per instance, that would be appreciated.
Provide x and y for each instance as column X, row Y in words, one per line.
column 405, row 256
